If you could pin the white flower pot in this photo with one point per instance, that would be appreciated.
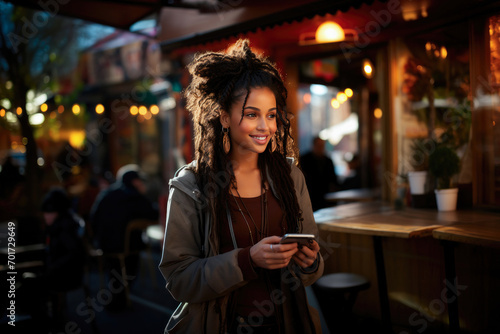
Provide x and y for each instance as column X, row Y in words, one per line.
column 446, row 199
column 417, row 181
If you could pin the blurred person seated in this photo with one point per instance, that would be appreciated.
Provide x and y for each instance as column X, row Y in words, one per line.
column 319, row 172
column 353, row 179
column 114, row 208
column 65, row 258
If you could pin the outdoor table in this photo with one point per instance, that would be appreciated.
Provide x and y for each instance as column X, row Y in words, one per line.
column 483, row 231
column 378, row 219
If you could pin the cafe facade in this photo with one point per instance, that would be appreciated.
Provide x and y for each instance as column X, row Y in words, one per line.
column 405, row 78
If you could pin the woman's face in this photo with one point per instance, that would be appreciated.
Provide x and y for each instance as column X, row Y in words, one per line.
column 253, row 132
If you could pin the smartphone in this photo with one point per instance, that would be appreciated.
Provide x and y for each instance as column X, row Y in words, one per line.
column 301, row 239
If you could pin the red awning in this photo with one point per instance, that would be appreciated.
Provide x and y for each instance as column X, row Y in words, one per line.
column 194, row 20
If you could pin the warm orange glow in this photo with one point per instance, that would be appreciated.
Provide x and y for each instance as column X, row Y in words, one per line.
column 134, row 110
column 2, row 112
column 19, row 110
column 377, row 113
column 60, row 109
column 367, row 68
column 154, row 109
column 348, row 92
column 76, row 109
column 148, row 116
column 444, row 52
column 143, row 110
column 99, row 109
column 44, row 107
column 329, row 32
column 307, row 98
column 77, row 138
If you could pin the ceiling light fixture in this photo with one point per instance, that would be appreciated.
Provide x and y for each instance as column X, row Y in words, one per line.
column 328, row 32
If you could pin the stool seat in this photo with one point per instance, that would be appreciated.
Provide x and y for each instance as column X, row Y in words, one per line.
column 343, row 282
column 336, row 294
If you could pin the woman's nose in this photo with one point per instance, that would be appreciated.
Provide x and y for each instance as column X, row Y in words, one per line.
column 262, row 123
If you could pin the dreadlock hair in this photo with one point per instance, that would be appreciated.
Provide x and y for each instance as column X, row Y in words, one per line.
column 219, row 79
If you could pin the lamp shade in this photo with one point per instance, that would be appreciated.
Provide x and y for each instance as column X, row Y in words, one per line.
column 329, row 32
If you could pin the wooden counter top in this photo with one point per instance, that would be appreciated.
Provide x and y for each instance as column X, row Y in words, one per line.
column 484, row 233
column 380, row 219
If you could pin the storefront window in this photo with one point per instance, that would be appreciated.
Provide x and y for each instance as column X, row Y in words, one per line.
column 326, row 112
column 433, row 106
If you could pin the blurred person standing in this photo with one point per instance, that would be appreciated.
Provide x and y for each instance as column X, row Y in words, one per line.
column 319, row 172
column 113, row 209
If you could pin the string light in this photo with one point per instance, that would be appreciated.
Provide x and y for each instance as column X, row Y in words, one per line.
column 76, row 109
column 134, row 110
column 99, row 109
column 154, row 109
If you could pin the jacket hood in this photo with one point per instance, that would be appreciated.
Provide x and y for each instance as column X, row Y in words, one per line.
column 185, row 181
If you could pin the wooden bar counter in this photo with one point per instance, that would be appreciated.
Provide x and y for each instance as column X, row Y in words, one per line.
column 408, row 242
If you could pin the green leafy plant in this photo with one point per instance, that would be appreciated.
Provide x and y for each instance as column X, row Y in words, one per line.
column 443, row 164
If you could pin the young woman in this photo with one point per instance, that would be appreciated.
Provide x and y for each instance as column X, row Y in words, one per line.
column 228, row 210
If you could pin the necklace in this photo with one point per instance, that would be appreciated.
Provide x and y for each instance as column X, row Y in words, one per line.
column 263, row 210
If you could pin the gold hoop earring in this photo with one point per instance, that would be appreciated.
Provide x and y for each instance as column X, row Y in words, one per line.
column 226, row 142
column 274, row 144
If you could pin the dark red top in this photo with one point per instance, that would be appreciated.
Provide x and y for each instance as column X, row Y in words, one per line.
column 256, row 294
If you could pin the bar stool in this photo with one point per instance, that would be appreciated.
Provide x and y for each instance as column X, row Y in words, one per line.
column 336, row 294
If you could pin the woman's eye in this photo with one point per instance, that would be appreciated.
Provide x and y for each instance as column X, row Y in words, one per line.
column 250, row 115
column 272, row 116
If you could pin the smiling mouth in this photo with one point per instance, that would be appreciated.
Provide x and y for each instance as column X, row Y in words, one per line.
column 259, row 137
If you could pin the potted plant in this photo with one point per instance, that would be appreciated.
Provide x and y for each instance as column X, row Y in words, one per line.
column 444, row 163
column 417, row 178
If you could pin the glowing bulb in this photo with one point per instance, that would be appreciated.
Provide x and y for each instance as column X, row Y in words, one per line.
column 143, row 110
column 367, row 68
column 154, row 109
column 348, row 92
column 341, row 97
column 44, row 107
column 444, row 52
column 134, row 110
column 329, row 32
column 76, row 109
column 19, row 111
column 335, row 104
column 60, row 109
column 377, row 113
column 99, row 109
